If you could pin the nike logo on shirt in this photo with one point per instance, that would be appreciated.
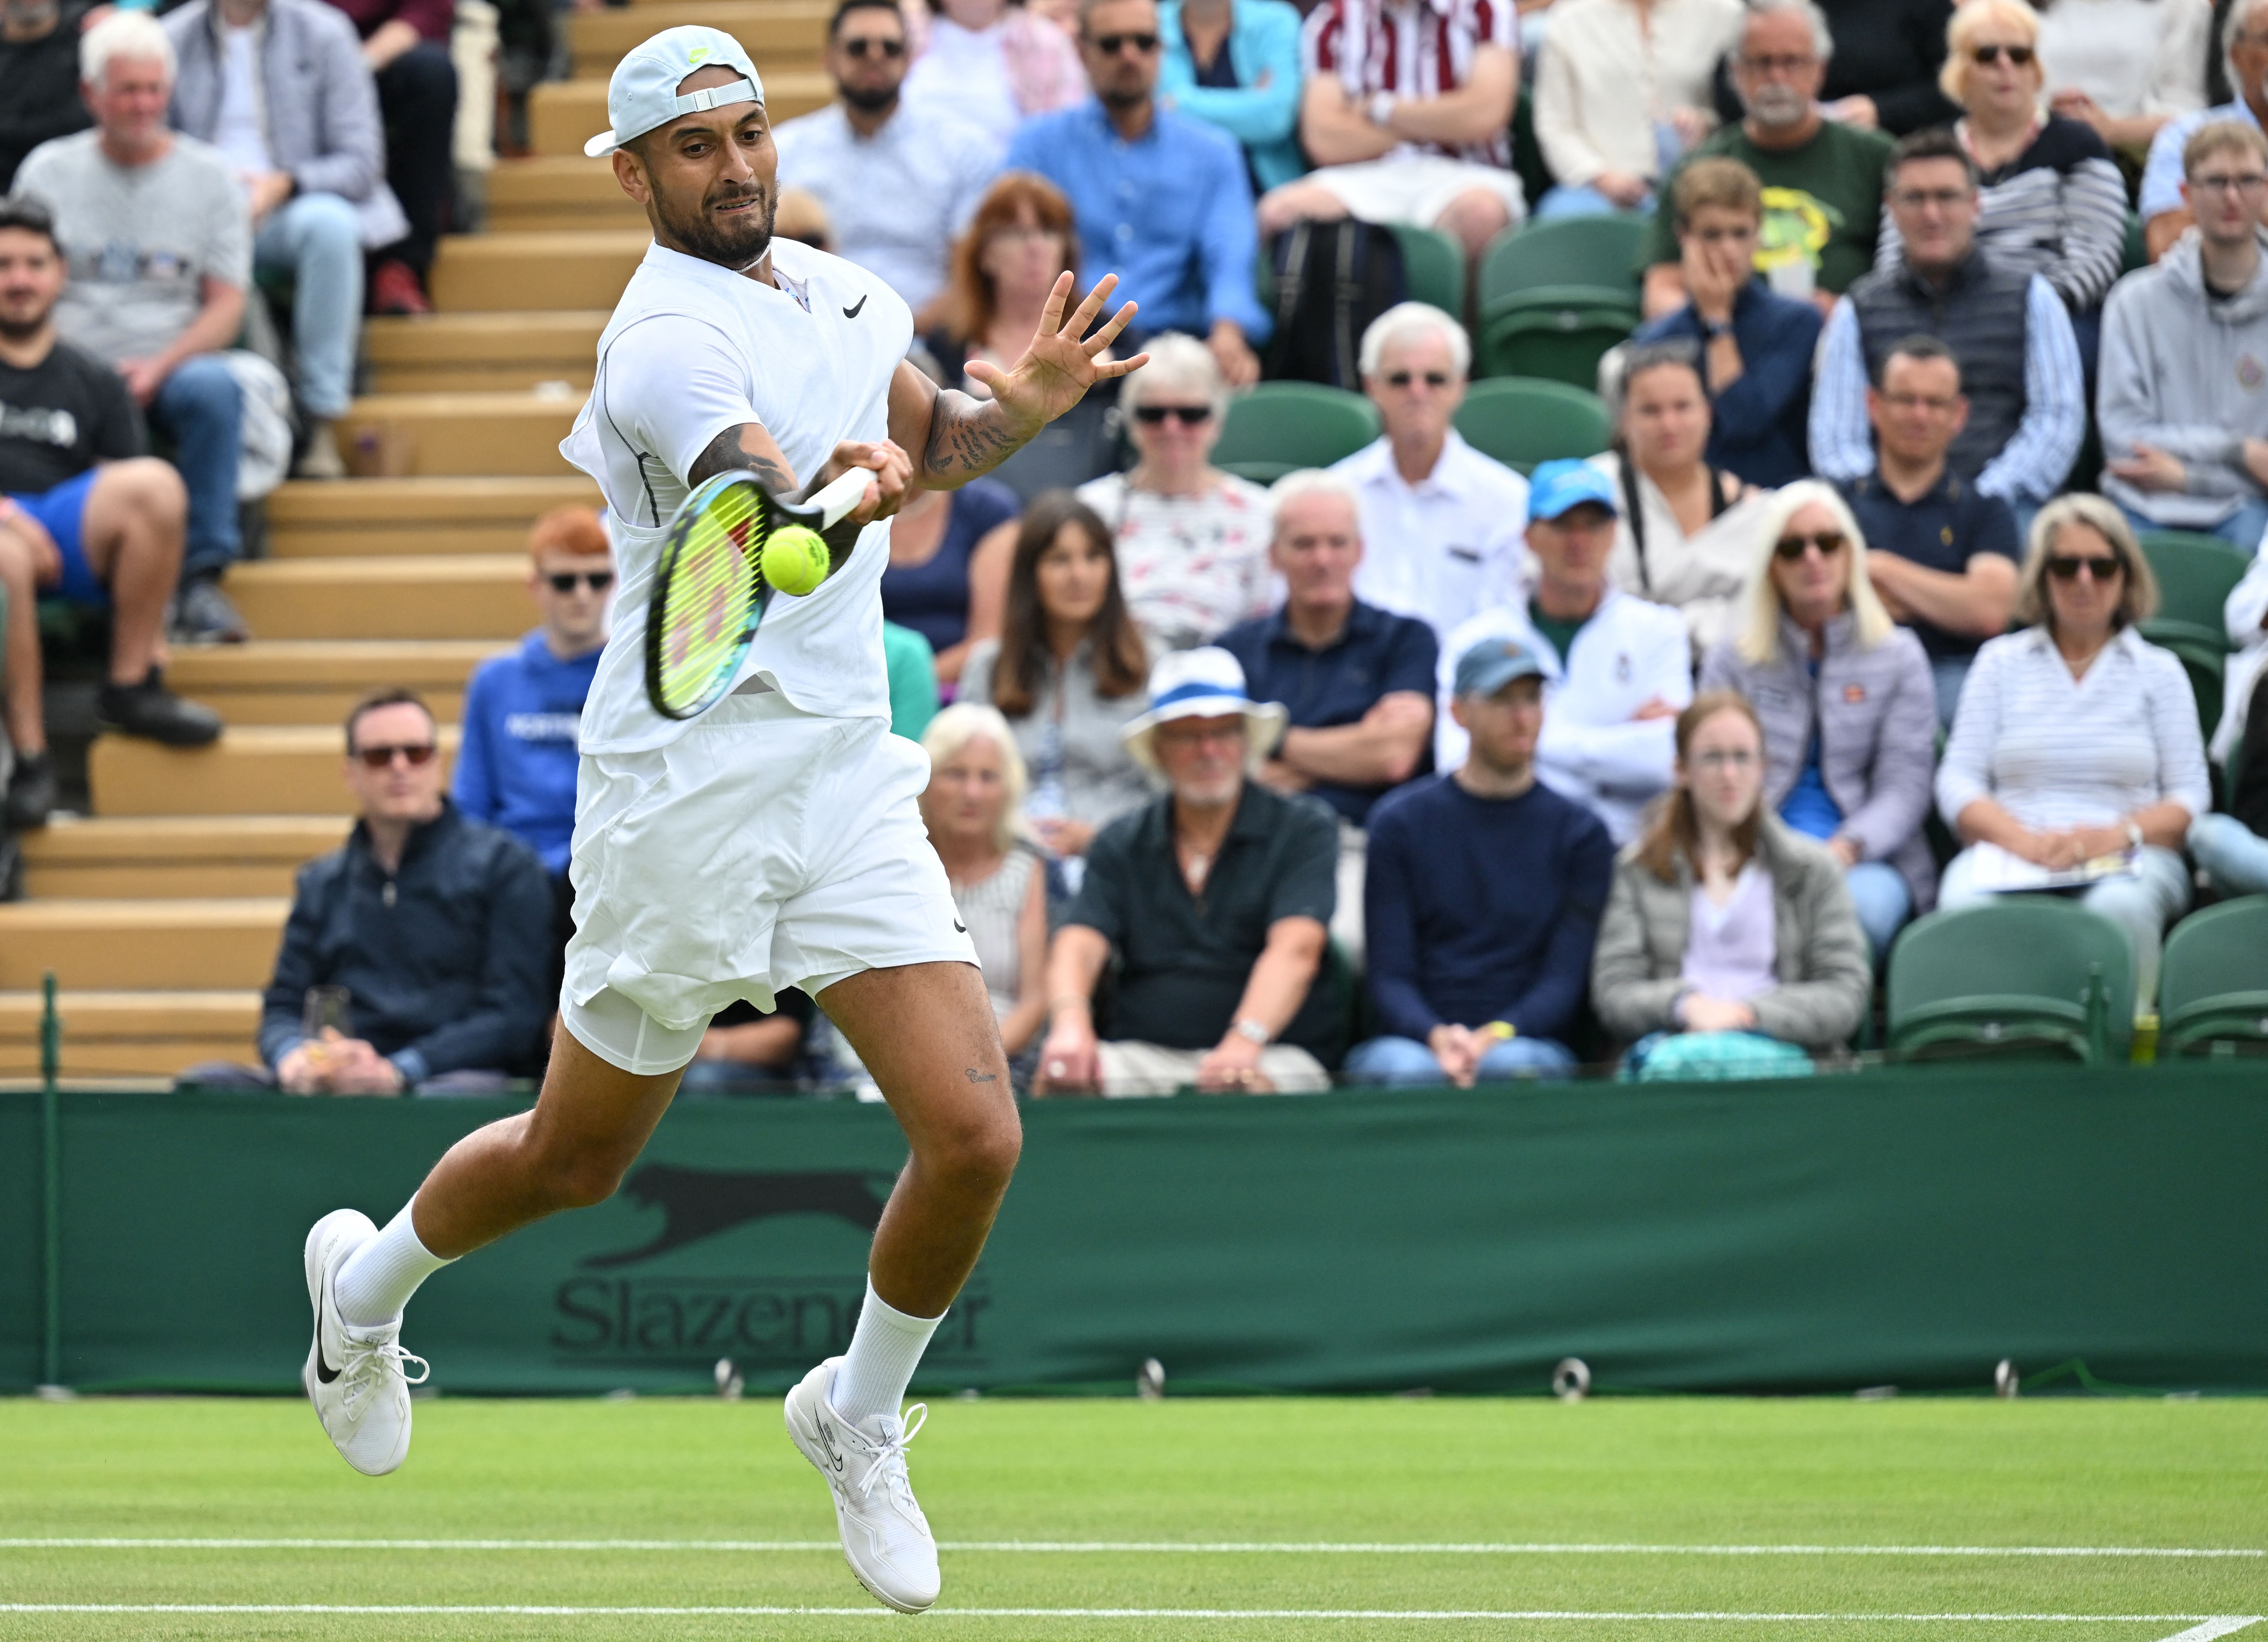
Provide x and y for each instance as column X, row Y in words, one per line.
column 852, row 313
column 959, row 928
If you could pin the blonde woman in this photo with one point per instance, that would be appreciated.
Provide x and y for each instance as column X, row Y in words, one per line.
column 974, row 806
column 1846, row 703
column 2076, row 739
column 2052, row 201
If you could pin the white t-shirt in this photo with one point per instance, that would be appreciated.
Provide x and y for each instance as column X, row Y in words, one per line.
column 692, row 350
column 1191, row 567
column 236, row 130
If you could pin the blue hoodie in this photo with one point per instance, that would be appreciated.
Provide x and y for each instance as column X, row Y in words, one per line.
column 516, row 768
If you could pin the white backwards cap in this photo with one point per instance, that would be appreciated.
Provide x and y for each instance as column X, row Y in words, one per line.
column 643, row 97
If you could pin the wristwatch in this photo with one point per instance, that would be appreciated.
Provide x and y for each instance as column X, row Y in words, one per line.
column 1382, row 107
column 2133, row 833
column 1253, row 1031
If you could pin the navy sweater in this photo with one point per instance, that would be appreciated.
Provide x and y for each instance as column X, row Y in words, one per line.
column 1480, row 910
column 516, row 768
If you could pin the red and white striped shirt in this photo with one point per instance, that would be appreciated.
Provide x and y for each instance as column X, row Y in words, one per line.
column 1413, row 49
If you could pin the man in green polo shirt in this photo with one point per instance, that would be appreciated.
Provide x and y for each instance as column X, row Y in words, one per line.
column 1823, row 181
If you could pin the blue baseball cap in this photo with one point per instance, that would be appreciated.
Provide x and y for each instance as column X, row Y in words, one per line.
column 1489, row 665
column 1556, row 486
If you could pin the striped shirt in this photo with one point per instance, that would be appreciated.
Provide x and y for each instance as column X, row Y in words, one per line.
column 2030, row 468
column 2058, row 751
column 2058, row 209
column 1414, row 50
column 992, row 906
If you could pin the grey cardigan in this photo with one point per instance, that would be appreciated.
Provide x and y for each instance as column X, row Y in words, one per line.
column 1876, row 710
column 1100, row 779
column 1821, row 953
column 317, row 103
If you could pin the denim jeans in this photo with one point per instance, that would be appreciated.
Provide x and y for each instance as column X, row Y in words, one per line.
column 2142, row 904
column 2233, row 856
column 1884, row 902
column 199, row 410
column 317, row 239
column 1583, row 200
column 1406, row 1062
column 2241, row 529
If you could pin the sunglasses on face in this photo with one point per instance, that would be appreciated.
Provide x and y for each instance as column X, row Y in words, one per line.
column 1985, row 56
column 1187, row 415
column 382, row 757
column 2065, row 567
column 1431, row 378
column 597, row 581
column 1111, row 45
column 1830, row 543
column 874, row 46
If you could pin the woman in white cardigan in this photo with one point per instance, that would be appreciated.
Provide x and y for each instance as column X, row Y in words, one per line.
column 2077, row 740
column 1622, row 90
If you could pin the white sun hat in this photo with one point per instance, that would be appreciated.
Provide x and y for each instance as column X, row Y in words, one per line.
column 642, row 96
column 1205, row 683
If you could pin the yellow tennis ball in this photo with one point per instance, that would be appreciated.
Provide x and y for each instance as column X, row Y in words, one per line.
column 796, row 559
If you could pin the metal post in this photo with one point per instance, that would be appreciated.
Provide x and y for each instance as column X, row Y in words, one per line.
column 51, row 1044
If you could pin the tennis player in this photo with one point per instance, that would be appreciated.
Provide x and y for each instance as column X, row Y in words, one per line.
column 773, row 842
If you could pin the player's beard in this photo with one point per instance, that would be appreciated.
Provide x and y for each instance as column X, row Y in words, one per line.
column 736, row 246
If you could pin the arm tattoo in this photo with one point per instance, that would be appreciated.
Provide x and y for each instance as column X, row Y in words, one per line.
column 967, row 437
column 725, row 453
column 975, row 1076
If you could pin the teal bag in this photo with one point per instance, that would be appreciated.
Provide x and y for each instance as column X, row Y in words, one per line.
column 1700, row 1057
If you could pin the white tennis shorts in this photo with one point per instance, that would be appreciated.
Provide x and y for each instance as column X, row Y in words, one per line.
column 1416, row 188
column 764, row 849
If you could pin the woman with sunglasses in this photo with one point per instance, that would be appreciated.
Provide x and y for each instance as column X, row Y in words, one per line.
column 1018, row 245
column 1067, row 673
column 1729, row 947
column 1845, row 700
column 2077, row 740
column 1192, row 540
column 2050, row 199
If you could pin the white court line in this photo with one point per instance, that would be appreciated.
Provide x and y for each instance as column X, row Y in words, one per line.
column 1312, row 1548
column 2213, row 1628
column 561, row 1610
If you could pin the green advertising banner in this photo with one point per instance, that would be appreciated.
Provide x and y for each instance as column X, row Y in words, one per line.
column 1908, row 1227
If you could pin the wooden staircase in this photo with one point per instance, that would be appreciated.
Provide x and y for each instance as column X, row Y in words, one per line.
column 160, row 912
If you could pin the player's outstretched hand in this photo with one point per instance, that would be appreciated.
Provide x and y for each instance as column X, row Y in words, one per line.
column 893, row 470
column 1058, row 368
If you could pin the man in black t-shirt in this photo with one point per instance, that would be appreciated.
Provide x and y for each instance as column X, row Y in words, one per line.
column 84, row 515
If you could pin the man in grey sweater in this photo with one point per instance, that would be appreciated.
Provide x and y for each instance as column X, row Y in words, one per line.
column 281, row 89
column 2183, row 401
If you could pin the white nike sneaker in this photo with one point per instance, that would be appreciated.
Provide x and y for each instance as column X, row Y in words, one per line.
column 886, row 1539
column 355, row 1377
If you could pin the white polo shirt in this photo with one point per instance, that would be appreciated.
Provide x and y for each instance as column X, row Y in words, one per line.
column 1446, row 548
column 692, row 350
column 1592, row 750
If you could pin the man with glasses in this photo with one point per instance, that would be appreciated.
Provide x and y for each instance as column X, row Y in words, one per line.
column 433, row 924
column 516, row 764
column 1753, row 346
column 1941, row 553
column 2184, row 395
column 1440, row 522
column 1821, row 180
column 1160, row 197
column 1618, row 669
column 2009, row 331
column 2165, row 209
column 900, row 183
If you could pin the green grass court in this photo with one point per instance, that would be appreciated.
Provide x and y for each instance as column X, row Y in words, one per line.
column 1665, row 1520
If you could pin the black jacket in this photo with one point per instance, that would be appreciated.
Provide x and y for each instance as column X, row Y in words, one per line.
column 446, row 960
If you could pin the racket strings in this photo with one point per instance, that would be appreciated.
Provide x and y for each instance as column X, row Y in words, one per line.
column 711, row 595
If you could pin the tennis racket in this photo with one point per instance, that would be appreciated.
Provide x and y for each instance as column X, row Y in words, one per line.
column 710, row 593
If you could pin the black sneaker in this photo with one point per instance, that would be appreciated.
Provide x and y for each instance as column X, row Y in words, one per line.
column 31, row 790
column 202, row 614
column 151, row 710
column 11, row 869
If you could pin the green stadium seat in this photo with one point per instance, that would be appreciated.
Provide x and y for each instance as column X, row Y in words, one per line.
column 1521, row 420
column 1279, row 426
column 2029, row 975
column 1433, row 264
column 2136, row 253
column 1599, row 253
column 1555, row 296
column 2213, row 982
column 2195, row 576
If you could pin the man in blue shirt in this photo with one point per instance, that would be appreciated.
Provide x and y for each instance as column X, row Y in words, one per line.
column 1485, row 894
column 516, row 765
column 1161, row 199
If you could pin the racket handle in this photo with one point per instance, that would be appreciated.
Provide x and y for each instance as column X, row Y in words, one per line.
column 840, row 495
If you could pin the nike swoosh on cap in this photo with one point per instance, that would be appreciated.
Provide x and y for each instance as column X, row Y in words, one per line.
column 852, row 313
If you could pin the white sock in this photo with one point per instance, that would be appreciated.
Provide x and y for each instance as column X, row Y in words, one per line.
column 885, row 1348
column 379, row 1278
